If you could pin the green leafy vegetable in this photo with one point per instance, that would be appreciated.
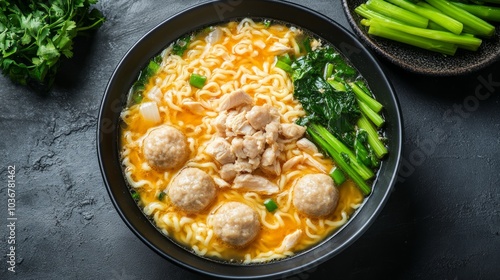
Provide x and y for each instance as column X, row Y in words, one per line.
column 373, row 137
column 181, row 45
column 325, row 145
column 267, row 23
column 337, row 176
column 335, row 99
column 145, row 75
column 337, row 110
column 35, row 35
column 363, row 150
column 135, row 195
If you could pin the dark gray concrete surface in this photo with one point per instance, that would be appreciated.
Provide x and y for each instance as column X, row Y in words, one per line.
column 441, row 222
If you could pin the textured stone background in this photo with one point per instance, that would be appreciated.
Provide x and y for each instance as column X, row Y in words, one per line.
column 441, row 222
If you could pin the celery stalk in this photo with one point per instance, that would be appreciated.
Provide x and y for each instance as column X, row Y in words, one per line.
column 482, row 27
column 472, row 42
column 445, row 21
column 484, row 12
column 397, row 13
column 417, row 41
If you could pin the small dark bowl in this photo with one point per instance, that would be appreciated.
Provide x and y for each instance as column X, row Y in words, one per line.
column 422, row 61
column 209, row 14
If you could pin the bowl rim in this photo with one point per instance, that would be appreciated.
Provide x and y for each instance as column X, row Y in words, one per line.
column 109, row 166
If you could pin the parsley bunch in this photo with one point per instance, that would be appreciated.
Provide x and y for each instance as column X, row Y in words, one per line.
column 35, row 34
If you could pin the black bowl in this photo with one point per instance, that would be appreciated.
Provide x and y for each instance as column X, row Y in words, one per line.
column 212, row 13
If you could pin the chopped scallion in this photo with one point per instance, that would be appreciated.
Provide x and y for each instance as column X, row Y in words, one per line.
column 282, row 65
column 197, row 81
column 285, row 58
column 270, row 205
column 161, row 196
column 137, row 97
column 136, row 196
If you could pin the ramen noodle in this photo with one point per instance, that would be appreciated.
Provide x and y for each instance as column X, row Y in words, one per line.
column 178, row 156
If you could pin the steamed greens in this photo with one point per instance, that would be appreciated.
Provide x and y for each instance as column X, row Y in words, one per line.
column 335, row 109
column 342, row 117
column 35, row 35
column 436, row 25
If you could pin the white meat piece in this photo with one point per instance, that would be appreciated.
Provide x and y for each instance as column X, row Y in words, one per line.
column 193, row 106
column 245, row 129
column 272, row 132
column 315, row 44
column 314, row 163
column 244, row 166
column 165, row 147
column 238, row 124
column 289, row 241
column 221, row 183
column 292, row 131
column 254, row 145
column 292, row 162
column 238, row 148
column 254, row 162
column 220, row 150
column 256, row 183
column 270, row 155
column 228, row 172
column 315, row 195
column 307, row 146
column 273, row 169
column 278, row 48
column 236, row 223
column 220, row 123
column 260, row 116
column 234, row 99
column 192, row 190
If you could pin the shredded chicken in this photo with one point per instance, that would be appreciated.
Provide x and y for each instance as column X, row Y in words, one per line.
column 234, row 99
column 251, row 137
column 273, row 169
column 194, row 107
column 260, row 116
column 307, row 146
column 292, row 131
column 255, row 183
column 278, row 48
column 292, row 162
column 289, row 241
column 220, row 149
column 228, row 172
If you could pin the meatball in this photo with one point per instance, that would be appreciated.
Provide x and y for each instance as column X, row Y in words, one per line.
column 192, row 190
column 315, row 195
column 236, row 224
column 165, row 147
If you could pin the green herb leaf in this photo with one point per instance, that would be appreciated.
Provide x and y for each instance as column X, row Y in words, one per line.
column 181, row 45
column 34, row 35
